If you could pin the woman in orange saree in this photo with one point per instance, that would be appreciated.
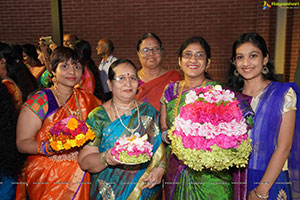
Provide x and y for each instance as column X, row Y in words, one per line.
column 49, row 174
column 152, row 77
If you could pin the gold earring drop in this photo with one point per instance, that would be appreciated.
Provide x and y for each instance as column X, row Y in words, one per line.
column 265, row 70
column 236, row 73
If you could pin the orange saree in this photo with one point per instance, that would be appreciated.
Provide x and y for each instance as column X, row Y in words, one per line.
column 151, row 91
column 57, row 176
column 15, row 92
column 37, row 71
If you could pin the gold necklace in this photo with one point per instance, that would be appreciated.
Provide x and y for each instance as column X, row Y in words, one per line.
column 180, row 90
column 70, row 112
column 128, row 129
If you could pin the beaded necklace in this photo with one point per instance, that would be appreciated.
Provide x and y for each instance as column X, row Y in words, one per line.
column 128, row 129
column 127, row 109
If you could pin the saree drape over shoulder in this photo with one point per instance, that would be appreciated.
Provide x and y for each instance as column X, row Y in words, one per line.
column 15, row 92
column 181, row 182
column 57, row 176
column 125, row 181
column 151, row 91
column 264, row 135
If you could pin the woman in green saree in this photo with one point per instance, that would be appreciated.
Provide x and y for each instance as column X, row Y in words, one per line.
column 181, row 181
column 123, row 115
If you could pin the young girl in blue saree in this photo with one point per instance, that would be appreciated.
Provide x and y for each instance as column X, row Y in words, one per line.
column 273, row 170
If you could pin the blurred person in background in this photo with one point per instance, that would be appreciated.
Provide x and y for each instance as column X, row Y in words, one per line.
column 90, row 79
column 30, row 59
column 11, row 161
column 105, row 48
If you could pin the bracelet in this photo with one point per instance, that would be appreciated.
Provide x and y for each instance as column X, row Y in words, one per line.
column 164, row 137
column 42, row 148
column 39, row 148
column 260, row 196
column 104, row 159
column 46, row 149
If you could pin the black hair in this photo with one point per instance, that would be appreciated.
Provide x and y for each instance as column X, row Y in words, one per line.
column 17, row 70
column 11, row 161
column 84, row 51
column 148, row 35
column 64, row 54
column 203, row 44
column 30, row 50
column 6, row 52
column 111, row 72
column 237, row 82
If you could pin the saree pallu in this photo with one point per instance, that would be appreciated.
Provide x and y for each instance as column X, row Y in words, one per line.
column 151, row 91
column 240, row 175
column 15, row 93
column 87, row 81
column 264, row 135
column 37, row 71
column 57, row 176
column 181, row 182
column 43, row 80
column 125, row 181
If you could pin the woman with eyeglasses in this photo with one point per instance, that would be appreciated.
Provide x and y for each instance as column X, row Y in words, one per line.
column 123, row 115
column 152, row 77
column 182, row 182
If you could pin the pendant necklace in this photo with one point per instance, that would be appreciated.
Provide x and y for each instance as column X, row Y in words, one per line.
column 77, row 113
column 138, row 112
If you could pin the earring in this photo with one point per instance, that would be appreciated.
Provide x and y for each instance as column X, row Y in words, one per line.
column 265, row 70
column 236, row 73
column 206, row 68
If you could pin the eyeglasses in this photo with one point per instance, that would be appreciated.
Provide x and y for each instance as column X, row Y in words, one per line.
column 198, row 55
column 155, row 51
column 123, row 79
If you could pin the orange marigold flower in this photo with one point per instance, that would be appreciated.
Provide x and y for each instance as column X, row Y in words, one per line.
column 72, row 124
column 67, row 146
column 80, row 142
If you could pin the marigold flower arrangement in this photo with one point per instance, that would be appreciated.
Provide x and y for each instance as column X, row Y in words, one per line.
column 68, row 133
column 133, row 149
column 210, row 131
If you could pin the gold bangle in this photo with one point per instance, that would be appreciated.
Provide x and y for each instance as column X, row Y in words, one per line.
column 164, row 137
column 261, row 196
column 104, row 159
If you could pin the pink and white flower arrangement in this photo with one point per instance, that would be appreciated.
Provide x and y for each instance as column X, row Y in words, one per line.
column 133, row 149
column 210, row 131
